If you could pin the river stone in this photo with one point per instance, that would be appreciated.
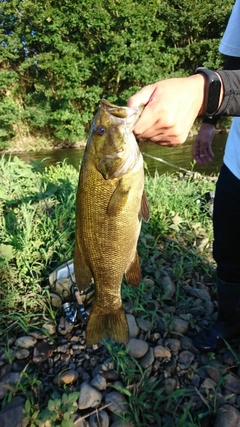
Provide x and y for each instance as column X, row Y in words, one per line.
column 232, row 383
column 168, row 286
column 38, row 335
column 148, row 359
column 180, row 326
column 99, row 382
column 209, row 384
column 50, row 328
column 171, row 365
column 170, row 385
column 203, row 294
column 66, row 377
column 22, row 354
column 110, row 375
column 78, row 422
column 227, row 416
column 5, row 370
column 144, row 324
column 89, row 397
column 42, row 351
column 229, row 358
column 9, row 380
column 208, row 307
column 197, row 311
column 137, row 348
column 118, row 403
column 25, row 342
column 132, row 326
column 215, row 371
column 12, row 414
column 173, row 344
column 100, row 419
column 161, row 352
column 185, row 359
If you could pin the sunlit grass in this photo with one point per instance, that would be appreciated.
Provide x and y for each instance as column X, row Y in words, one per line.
column 37, row 233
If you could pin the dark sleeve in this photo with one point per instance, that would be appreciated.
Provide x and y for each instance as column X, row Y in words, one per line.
column 231, row 63
column 231, row 100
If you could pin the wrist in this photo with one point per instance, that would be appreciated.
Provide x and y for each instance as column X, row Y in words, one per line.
column 213, row 92
column 199, row 91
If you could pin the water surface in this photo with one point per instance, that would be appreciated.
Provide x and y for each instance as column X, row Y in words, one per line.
column 180, row 156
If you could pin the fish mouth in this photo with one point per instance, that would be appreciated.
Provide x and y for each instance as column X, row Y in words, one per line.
column 130, row 115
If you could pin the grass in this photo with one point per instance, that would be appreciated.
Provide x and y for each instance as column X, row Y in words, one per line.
column 37, row 232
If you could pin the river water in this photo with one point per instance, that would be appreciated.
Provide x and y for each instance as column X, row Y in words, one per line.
column 180, row 156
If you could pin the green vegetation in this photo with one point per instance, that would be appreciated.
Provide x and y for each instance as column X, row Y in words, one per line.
column 37, row 232
column 34, row 203
column 59, row 58
column 59, row 411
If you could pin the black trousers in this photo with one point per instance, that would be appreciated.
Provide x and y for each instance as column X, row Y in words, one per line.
column 226, row 225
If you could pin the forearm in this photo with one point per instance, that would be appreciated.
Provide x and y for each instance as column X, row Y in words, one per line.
column 230, row 105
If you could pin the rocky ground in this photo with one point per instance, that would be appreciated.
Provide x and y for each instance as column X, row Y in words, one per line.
column 164, row 350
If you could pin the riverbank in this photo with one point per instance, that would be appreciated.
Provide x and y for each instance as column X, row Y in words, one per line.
column 157, row 159
column 28, row 143
column 159, row 378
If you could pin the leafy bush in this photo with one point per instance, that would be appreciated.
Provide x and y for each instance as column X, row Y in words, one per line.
column 66, row 56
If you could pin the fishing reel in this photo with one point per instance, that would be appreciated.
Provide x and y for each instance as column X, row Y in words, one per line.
column 70, row 312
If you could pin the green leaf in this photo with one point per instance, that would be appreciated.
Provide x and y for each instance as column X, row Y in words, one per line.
column 51, row 405
column 66, row 415
column 72, row 397
column 6, row 251
column 27, row 403
column 67, row 423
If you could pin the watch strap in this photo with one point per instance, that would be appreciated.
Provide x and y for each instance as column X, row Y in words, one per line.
column 212, row 91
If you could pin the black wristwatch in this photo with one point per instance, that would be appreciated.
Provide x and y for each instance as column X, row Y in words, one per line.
column 212, row 92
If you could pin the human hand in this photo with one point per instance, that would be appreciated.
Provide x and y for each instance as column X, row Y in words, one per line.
column 202, row 151
column 171, row 107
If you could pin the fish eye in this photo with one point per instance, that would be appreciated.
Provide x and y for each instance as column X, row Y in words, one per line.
column 100, row 130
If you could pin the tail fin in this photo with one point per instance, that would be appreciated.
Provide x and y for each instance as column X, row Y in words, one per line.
column 113, row 325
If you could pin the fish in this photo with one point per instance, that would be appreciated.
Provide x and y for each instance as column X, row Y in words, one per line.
column 110, row 205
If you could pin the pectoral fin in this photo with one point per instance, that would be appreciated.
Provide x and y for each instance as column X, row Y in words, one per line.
column 144, row 212
column 133, row 273
column 118, row 199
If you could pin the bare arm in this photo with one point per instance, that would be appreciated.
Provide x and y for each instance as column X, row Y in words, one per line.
column 172, row 105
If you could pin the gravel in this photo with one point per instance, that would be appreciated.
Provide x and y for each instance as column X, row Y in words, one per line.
column 162, row 349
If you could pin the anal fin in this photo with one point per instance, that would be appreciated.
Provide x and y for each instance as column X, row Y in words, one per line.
column 133, row 273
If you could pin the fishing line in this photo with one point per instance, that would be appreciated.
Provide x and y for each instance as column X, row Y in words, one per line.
column 199, row 175
column 159, row 159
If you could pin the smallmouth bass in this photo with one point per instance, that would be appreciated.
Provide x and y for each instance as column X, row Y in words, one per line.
column 111, row 204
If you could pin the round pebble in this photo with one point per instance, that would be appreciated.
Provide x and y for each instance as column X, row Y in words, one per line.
column 25, row 342
column 137, row 348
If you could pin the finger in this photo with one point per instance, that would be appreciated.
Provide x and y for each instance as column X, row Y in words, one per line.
column 141, row 97
column 200, row 158
column 147, row 125
column 210, row 152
